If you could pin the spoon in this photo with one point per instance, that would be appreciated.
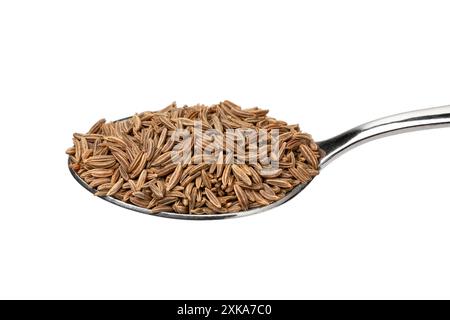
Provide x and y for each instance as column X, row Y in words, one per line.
column 331, row 149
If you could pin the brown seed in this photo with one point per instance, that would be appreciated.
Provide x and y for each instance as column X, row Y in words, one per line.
column 121, row 158
column 100, row 161
column 115, row 141
column 141, row 166
column 99, row 181
column 193, row 198
column 234, row 208
column 101, row 173
column 135, row 160
column 97, row 126
column 136, row 123
column 141, row 180
column 260, row 199
column 71, row 151
column 205, row 179
column 282, row 183
column 115, row 176
column 175, row 178
column 198, row 182
column 162, row 138
column 211, row 197
column 167, row 122
column 126, row 196
column 240, row 174
column 249, row 194
column 161, row 208
column 242, row 198
column 213, row 208
column 309, row 156
column 301, row 175
column 255, row 176
column 219, row 169
column 115, row 188
column 189, row 179
column 198, row 211
column 268, row 196
column 105, row 187
column 162, row 159
column 138, row 202
column 141, row 195
column 226, row 174
column 164, row 171
column 132, row 185
column 270, row 173
column 123, row 173
column 156, row 190
column 152, row 203
column 173, row 193
column 167, row 200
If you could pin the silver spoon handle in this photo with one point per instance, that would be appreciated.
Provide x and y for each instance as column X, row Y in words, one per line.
column 404, row 122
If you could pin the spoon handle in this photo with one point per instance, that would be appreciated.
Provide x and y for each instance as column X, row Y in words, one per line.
column 404, row 122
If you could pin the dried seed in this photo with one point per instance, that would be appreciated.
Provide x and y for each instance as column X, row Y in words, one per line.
column 97, row 182
column 300, row 174
column 162, row 159
column 137, row 123
column 255, row 176
column 105, row 187
column 97, row 126
column 141, row 195
column 240, row 174
column 175, row 178
column 164, row 171
column 124, row 173
column 71, row 151
column 282, row 183
column 167, row 200
column 141, row 166
column 135, row 161
column 211, row 197
column 226, row 174
column 309, row 156
column 162, row 139
column 121, row 159
column 206, row 180
column 101, row 173
column 260, row 199
column 173, row 193
column 249, row 194
column 213, row 208
column 242, row 198
column 193, row 198
column 141, row 180
column 116, row 175
column 161, row 208
column 156, row 190
column 270, row 173
column 189, row 179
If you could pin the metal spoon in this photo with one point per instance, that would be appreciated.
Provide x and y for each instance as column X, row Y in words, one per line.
column 332, row 148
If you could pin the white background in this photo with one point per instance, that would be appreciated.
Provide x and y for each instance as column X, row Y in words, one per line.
column 374, row 224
